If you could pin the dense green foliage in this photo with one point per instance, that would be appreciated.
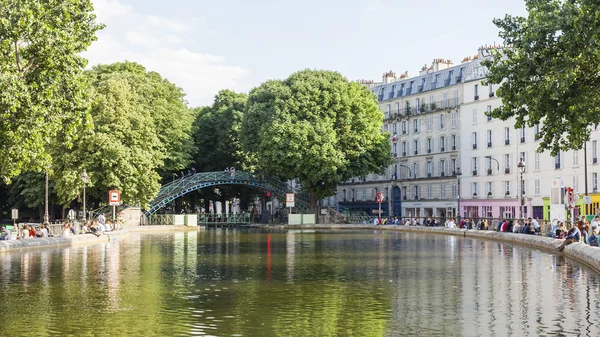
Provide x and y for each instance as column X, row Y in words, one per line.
column 217, row 133
column 43, row 93
column 551, row 73
column 317, row 127
column 141, row 126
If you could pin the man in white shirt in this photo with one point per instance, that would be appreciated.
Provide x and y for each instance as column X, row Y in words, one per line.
column 595, row 223
column 451, row 224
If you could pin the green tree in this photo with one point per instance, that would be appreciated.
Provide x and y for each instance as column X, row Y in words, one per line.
column 550, row 70
column 171, row 116
column 217, row 132
column 317, row 127
column 141, row 127
column 122, row 151
column 42, row 88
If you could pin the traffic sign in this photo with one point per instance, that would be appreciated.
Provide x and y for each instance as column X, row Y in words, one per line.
column 587, row 199
column 114, row 198
column 15, row 214
column 290, row 200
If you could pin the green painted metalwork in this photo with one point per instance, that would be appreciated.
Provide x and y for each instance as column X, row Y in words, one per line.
column 190, row 183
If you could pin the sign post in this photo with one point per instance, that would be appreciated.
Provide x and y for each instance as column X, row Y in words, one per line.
column 114, row 199
column 290, row 201
column 15, row 216
column 379, row 199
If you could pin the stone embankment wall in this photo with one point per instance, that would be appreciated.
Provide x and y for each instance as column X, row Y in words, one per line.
column 15, row 245
column 583, row 253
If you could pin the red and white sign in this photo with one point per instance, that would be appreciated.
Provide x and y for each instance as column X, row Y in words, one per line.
column 114, row 197
column 379, row 197
column 289, row 200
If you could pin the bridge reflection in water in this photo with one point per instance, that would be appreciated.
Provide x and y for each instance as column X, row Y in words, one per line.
column 297, row 283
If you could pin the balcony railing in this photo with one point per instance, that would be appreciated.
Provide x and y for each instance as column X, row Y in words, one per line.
column 507, row 142
column 476, row 98
column 489, row 144
column 474, row 172
column 507, row 170
column 522, row 139
column 489, row 172
column 557, row 166
column 442, row 149
column 474, row 146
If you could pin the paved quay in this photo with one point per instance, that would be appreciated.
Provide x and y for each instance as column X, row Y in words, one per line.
column 36, row 243
column 580, row 252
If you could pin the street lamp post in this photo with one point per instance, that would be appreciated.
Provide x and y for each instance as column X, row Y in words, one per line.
column 46, row 215
column 84, row 177
column 494, row 159
column 458, row 174
column 521, row 167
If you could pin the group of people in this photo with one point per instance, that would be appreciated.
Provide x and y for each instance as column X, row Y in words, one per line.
column 28, row 231
column 529, row 226
column 582, row 231
column 96, row 227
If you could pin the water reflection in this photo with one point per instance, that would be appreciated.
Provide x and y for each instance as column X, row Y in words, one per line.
column 252, row 283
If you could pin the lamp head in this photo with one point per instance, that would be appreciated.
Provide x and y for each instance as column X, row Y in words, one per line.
column 84, row 176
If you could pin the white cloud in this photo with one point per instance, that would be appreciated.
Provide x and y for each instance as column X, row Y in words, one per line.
column 166, row 23
column 107, row 9
column 165, row 46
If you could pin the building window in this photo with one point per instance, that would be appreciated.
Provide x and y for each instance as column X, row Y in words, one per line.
column 474, row 189
column 507, row 163
column 537, row 161
column 404, row 128
column 416, row 146
column 489, row 138
column 453, row 142
column 418, row 104
column 595, row 182
column 474, row 165
column 416, row 125
column 523, row 134
column 575, row 183
column 557, row 163
column 404, row 192
column 395, row 150
column 416, row 192
column 594, row 152
column 453, row 166
column 474, row 139
column 456, row 96
column 415, row 170
column 506, row 136
column 442, row 168
column 575, row 158
column 489, row 189
column 491, row 89
column 507, row 187
column 453, row 191
column 442, row 144
column 429, row 145
column 442, row 191
column 536, row 132
column 454, row 117
column 442, row 121
column 404, row 149
column 488, row 113
column 429, row 123
column 344, row 195
column 428, row 191
column 476, row 92
column 537, row 187
column 474, row 116
column 429, row 169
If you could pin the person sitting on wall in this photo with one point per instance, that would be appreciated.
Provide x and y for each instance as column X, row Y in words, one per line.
column 574, row 235
column 593, row 239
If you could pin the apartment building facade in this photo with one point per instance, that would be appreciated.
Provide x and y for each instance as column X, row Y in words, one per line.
column 492, row 184
column 421, row 114
column 439, row 127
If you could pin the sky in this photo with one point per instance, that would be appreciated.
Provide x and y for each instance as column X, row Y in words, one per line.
column 205, row 46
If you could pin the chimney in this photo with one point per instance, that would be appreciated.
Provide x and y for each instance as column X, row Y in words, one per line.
column 440, row 64
column 389, row 77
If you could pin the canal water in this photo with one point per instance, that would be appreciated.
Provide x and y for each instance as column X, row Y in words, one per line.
column 275, row 283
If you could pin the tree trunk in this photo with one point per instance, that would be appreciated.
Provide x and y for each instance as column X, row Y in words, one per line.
column 314, row 207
